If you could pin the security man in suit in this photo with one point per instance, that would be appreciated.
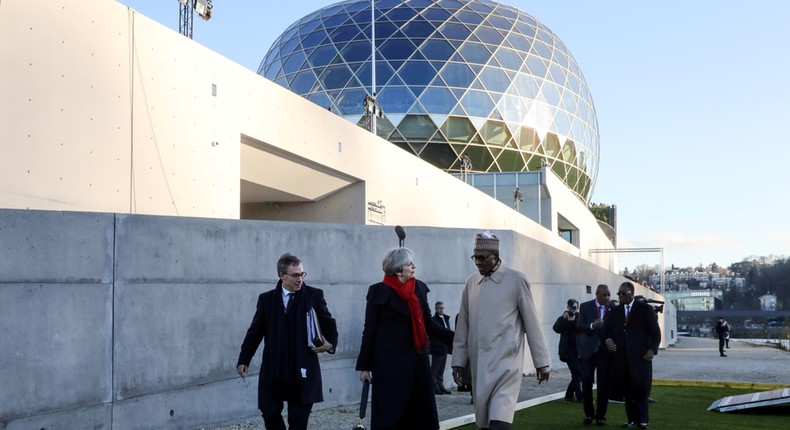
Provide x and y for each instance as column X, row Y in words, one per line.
column 439, row 350
column 290, row 371
column 593, row 354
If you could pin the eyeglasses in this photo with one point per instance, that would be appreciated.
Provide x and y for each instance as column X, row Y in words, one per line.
column 480, row 257
column 622, row 293
column 297, row 275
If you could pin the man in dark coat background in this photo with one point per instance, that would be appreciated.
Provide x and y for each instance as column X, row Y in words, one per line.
column 439, row 349
column 593, row 354
column 633, row 336
column 290, row 371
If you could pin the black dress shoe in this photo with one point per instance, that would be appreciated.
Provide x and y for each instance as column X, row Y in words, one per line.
column 438, row 392
column 600, row 422
column 446, row 391
column 723, row 354
column 629, row 424
column 641, row 426
column 587, row 421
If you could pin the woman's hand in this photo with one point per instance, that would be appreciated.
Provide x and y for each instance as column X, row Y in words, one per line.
column 364, row 375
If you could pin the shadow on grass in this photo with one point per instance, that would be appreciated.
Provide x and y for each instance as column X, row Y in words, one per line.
column 676, row 408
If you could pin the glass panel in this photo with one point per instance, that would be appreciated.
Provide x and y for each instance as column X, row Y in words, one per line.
column 439, row 154
column 480, row 157
column 438, row 100
column 303, row 83
column 321, row 99
column 536, row 66
column 335, row 20
column 335, row 77
column 418, row 29
column 395, row 99
column 313, row 39
column 356, row 51
column 550, row 93
column 437, row 49
column 457, row 75
column 349, row 102
column 477, row 103
column 542, row 50
column 290, row 46
column 557, row 74
column 417, row 73
column 435, row 14
column 323, row 56
column 475, row 53
column 470, row 18
column 519, row 42
column 384, row 30
column 344, row 33
column 499, row 22
column 489, row 35
column 397, row 49
column 495, row 133
column 455, row 31
column 401, row 14
column 458, row 129
column 528, row 140
column 294, row 63
column 417, row 127
column 508, row 59
column 552, row 145
column 494, row 80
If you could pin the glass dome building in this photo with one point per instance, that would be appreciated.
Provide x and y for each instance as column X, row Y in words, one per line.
column 454, row 78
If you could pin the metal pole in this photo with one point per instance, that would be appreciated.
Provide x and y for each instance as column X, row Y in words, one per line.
column 373, row 61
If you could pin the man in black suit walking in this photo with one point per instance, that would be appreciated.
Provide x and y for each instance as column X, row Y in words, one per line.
column 439, row 350
column 290, row 371
column 633, row 336
column 593, row 354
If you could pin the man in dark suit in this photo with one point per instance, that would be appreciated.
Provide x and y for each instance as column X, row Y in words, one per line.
column 593, row 355
column 439, row 350
column 290, row 371
column 633, row 336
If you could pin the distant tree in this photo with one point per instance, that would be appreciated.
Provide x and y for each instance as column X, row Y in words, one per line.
column 602, row 212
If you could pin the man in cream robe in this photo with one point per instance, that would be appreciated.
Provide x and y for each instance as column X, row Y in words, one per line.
column 497, row 310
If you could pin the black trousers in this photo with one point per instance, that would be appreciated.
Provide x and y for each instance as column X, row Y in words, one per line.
column 721, row 344
column 438, row 363
column 635, row 408
column 595, row 368
column 298, row 415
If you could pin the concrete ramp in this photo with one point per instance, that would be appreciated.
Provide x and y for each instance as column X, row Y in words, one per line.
column 751, row 400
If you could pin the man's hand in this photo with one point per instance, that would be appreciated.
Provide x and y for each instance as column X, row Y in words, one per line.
column 242, row 369
column 649, row 355
column 597, row 323
column 326, row 346
column 611, row 345
column 364, row 375
column 543, row 374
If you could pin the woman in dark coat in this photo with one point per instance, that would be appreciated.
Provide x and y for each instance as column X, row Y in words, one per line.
column 394, row 351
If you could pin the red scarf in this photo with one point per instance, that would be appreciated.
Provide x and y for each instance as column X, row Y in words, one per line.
column 406, row 292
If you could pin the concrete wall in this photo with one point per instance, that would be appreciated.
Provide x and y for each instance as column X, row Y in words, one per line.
column 134, row 322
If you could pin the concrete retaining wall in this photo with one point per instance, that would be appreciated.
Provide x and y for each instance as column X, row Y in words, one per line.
column 135, row 322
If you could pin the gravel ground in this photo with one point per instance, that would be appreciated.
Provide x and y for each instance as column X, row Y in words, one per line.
column 695, row 359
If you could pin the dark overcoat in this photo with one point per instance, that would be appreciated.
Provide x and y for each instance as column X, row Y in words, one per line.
column 633, row 340
column 589, row 340
column 402, row 379
column 285, row 352
column 567, row 347
column 438, row 347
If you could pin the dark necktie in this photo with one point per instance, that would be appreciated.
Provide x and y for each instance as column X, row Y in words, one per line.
column 290, row 302
column 627, row 309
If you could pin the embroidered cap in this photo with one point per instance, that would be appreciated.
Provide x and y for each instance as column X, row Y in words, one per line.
column 486, row 242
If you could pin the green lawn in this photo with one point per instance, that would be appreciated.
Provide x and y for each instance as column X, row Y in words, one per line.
column 678, row 408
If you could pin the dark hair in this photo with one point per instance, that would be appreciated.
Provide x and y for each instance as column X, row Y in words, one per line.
column 438, row 304
column 571, row 302
column 286, row 260
column 628, row 286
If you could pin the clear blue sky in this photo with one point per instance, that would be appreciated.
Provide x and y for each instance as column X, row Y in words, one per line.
column 692, row 100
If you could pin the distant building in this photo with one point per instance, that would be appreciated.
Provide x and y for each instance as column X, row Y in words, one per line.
column 697, row 300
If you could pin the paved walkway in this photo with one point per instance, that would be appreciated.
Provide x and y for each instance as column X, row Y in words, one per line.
column 693, row 359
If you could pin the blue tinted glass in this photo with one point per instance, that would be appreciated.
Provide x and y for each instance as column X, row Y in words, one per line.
column 536, row 66
column 557, row 74
column 334, row 21
column 551, row 94
column 356, row 51
column 469, row 17
column 397, row 49
column 508, row 59
column 526, row 86
column 480, row 7
column 335, row 77
column 384, row 30
column 417, row 73
column 435, row 14
column 350, row 101
column 455, row 31
column 293, row 63
column 418, row 29
column 494, row 80
column 438, row 100
column 303, row 82
column 500, row 23
column 489, row 35
column 477, row 103
column 320, row 99
column 451, row 4
column 475, row 53
column 314, row 39
column 290, row 46
column 322, row 56
column 309, row 26
column 525, row 29
column 543, row 50
column 457, row 75
column 437, row 49
column 344, row 33
column 395, row 99
column 401, row 14
column 519, row 42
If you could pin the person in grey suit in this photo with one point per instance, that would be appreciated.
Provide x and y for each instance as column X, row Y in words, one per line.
column 593, row 354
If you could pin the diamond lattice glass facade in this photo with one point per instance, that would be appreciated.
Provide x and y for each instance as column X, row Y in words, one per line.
column 453, row 77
